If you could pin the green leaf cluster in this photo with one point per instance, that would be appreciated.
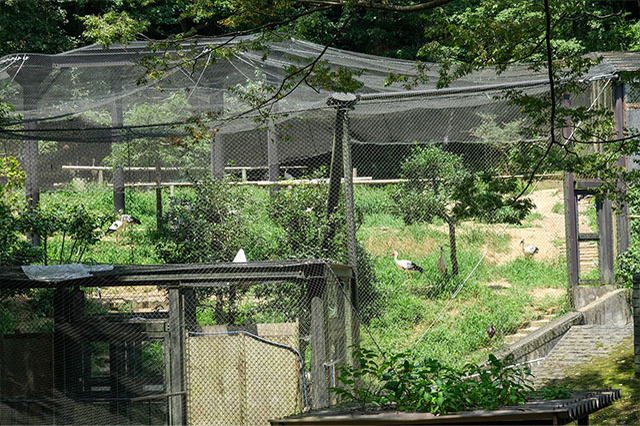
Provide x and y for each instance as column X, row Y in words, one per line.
column 405, row 384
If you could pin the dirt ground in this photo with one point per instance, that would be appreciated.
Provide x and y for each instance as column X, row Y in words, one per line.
column 546, row 233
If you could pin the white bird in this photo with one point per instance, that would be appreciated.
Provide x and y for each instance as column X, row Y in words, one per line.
column 442, row 262
column 528, row 251
column 240, row 257
column 405, row 265
column 124, row 219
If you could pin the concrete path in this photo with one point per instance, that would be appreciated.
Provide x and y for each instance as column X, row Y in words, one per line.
column 578, row 347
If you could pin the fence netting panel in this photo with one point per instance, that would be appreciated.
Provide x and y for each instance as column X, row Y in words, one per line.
column 211, row 313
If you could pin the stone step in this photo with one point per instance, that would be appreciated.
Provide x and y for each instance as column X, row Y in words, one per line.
column 529, row 328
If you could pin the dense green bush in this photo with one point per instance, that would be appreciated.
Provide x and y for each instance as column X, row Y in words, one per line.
column 629, row 261
column 405, row 384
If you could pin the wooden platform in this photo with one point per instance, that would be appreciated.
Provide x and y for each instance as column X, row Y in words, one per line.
column 538, row 412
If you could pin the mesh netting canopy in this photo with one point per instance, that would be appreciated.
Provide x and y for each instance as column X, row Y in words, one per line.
column 101, row 95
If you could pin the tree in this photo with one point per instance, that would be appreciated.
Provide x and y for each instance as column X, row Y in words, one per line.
column 440, row 186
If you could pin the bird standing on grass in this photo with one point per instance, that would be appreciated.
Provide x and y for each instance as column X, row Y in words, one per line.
column 122, row 221
column 406, row 265
column 528, row 251
column 442, row 263
column 491, row 331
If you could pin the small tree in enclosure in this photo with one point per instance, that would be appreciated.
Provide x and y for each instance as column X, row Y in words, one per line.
column 439, row 185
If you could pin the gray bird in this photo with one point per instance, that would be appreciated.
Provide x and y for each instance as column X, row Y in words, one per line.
column 491, row 331
column 442, row 262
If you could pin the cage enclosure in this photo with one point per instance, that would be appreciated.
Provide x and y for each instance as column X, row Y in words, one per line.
column 229, row 343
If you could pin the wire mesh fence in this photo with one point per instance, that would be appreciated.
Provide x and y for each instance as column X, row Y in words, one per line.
column 417, row 190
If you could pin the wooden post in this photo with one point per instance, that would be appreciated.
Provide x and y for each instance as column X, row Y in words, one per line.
column 117, row 121
column 605, row 243
column 320, row 383
column 352, row 324
column 570, row 216
column 636, row 322
column 190, row 305
column 623, row 230
column 177, row 406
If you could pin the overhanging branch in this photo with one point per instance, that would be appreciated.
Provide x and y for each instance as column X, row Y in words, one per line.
column 383, row 6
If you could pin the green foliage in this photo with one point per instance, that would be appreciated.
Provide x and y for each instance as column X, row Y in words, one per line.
column 554, row 392
column 112, row 28
column 628, row 265
column 82, row 228
column 34, row 26
column 557, row 208
column 16, row 250
column 406, row 384
column 301, row 212
column 209, row 227
column 440, row 186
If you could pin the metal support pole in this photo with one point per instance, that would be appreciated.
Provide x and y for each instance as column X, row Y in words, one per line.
column 217, row 152
column 335, row 176
column 31, row 158
column 272, row 150
column 623, row 230
column 346, row 102
column 117, row 121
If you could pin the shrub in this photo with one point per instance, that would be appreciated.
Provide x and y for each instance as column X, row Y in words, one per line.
column 426, row 385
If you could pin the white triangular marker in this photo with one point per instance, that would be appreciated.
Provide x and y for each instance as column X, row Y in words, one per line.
column 240, row 257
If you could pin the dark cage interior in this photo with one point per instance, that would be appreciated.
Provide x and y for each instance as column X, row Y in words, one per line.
column 214, row 332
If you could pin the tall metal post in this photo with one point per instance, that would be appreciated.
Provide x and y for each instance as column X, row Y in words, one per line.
column 623, row 230
column 217, row 145
column 345, row 102
column 30, row 79
column 117, row 121
column 272, row 149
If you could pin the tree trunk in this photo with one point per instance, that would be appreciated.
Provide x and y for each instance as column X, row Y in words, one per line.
column 452, row 242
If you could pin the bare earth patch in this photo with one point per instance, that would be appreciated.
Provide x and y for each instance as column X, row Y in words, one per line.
column 540, row 294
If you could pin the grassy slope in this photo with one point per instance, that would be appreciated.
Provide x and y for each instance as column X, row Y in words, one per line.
column 615, row 371
column 410, row 307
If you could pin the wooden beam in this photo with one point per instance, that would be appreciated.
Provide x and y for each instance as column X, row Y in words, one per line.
column 319, row 379
column 623, row 230
column 177, row 351
column 605, row 244
column 588, row 236
column 571, row 230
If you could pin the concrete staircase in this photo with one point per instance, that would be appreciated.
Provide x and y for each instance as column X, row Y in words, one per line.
column 588, row 256
column 528, row 328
